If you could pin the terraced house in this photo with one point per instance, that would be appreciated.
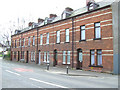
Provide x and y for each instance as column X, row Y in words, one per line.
column 86, row 38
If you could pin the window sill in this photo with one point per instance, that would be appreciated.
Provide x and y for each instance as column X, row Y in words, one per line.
column 97, row 39
column 82, row 40
column 95, row 66
column 58, row 43
column 67, row 42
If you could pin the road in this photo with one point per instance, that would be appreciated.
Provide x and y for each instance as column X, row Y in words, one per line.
column 24, row 75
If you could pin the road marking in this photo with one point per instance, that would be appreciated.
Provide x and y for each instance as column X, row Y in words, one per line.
column 12, row 72
column 48, row 83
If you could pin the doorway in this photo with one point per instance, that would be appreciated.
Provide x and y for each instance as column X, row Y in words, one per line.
column 18, row 55
column 27, row 58
column 79, row 59
column 39, row 58
column 55, row 58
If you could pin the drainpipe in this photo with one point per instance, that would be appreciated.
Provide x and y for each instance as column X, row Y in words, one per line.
column 72, row 42
column 37, row 48
column 21, row 46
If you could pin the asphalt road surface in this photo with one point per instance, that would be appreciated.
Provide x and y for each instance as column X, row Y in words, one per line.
column 23, row 75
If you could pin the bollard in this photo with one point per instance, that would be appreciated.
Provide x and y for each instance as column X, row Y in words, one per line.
column 67, row 69
column 48, row 66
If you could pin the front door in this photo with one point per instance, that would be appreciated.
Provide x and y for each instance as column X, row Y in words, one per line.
column 18, row 56
column 39, row 58
column 27, row 59
column 55, row 58
column 79, row 59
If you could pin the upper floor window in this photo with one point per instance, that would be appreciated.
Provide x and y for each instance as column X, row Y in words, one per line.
column 15, row 43
column 82, row 32
column 20, row 42
column 99, row 57
column 23, row 42
column 97, row 30
column 33, row 40
column 41, row 39
column 29, row 41
column 47, row 41
column 67, row 35
column 92, row 57
column 58, row 37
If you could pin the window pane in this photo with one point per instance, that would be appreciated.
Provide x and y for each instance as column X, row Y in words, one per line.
column 97, row 24
column 47, row 57
column 92, row 57
column 47, row 38
column 44, row 56
column 80, row 56
column 58, row 36
column 83, row 35
column 98, row 33
column 99, row 57
column 41, row 39
column 68, row 57
column 64, row 56
column 82, row 27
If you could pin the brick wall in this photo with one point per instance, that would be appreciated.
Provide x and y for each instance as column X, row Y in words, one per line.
column 104, row 16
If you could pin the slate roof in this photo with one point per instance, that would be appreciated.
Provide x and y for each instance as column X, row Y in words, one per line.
column 74, row 13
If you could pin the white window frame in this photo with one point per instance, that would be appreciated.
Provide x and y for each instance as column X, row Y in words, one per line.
column 44, row 56
column 33, row 40
column 82, row 31
column 47, row 41
column 48, row 57
column 58, row 37
column 41, row 39
column 92, row 53
column 97, row 30
column 99, row 57
column 68, row 57
column 67, row 37
column 20, row 42
column 29, row 41
column 23, row 42
column 64, row 57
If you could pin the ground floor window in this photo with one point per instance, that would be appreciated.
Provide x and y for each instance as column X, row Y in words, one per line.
column 22, row 54
column 64, row 57
column 44, row 56
column 68, row 57
column 14, row 55
column 33, row 56
column 99, row 57
column 47, row 57
column 92, row 57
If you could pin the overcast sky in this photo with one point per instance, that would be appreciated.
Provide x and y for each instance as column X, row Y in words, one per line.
column 31, row 10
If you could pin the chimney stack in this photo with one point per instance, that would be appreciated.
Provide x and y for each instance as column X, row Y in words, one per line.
column 68, row 9
column 89, row 1
column 40, row 20
column 30, row 24
column 53, row 15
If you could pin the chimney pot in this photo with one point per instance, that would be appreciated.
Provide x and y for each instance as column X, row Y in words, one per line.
column 30, row 24
column 53, row 15
column 40, row 20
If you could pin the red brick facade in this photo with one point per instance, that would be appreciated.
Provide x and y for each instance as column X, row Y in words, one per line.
column 103, row 15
